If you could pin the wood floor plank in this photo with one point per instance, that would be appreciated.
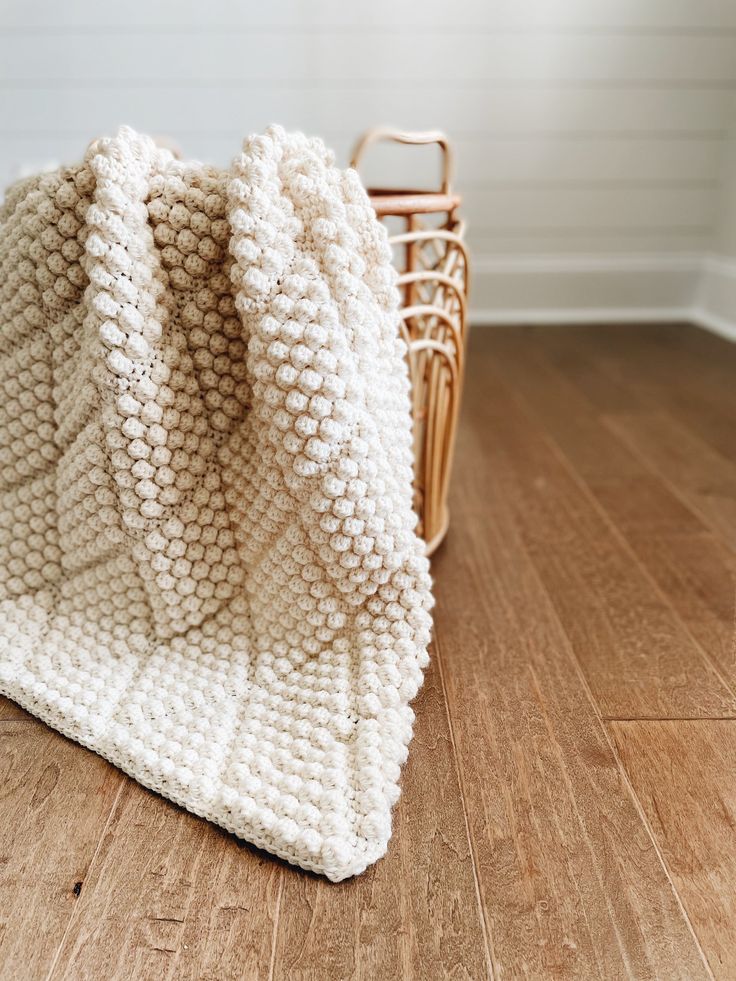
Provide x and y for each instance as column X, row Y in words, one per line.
column 171, row 897
column 571, row 883
column 682, row 773
column 639, row 660
column 698, row 576
column 709, row 408
column 589, row 357
column 637, row 498
column 414, row 915
column 678, row 368
column 603, row 361
column 9, row 710
column 52, row 816
column 693, row 570
column 704, row 479
column 690, row 368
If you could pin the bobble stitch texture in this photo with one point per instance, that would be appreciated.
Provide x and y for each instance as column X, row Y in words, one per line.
column 208, row 566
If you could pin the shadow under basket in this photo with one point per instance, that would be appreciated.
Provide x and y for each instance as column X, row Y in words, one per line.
column 432, row 261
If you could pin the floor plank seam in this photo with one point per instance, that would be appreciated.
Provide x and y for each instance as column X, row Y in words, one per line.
column 634, row 797
column 90, row 866
column 668, row 718
column 642, row 814
column 488, row 941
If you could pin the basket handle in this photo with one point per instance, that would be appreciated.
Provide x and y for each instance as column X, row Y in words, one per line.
column 380, row 134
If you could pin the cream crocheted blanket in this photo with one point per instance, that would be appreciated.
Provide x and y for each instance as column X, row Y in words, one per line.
column 209, row 572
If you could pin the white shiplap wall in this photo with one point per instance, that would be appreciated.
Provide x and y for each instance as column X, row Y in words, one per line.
column 592, row 134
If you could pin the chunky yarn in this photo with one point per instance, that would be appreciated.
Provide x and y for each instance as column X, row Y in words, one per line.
column 209, row 572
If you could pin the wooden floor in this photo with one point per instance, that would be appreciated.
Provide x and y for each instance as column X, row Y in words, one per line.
column 569, row 804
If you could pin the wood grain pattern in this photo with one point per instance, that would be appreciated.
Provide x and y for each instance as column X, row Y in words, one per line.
column 171, row 896
column 689, row 374
column 637, row 657
column 698, row 576
column 54, row 806
column 704, row 479
column 629, row 491
column 682, row 773
column 588, row 572
column 573, row 380
column 562, row 382
column 10, row 711
column 570, row 882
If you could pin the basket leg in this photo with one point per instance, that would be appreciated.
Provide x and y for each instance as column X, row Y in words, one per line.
column 411, row 250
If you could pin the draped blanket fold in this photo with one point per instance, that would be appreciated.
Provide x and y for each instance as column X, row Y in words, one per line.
column 209, row 572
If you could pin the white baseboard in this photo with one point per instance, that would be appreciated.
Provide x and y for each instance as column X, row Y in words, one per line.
column 482, row 317
column 714, row 323
column 645, row 288
column 626, row 262
column 715, row 301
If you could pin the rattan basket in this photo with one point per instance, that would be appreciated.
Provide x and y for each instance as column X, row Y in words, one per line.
column 434, row 276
